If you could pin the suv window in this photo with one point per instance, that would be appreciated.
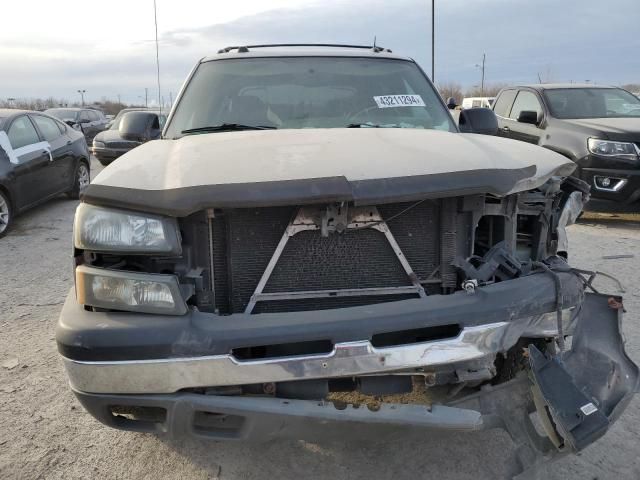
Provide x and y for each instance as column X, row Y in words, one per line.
column 22, row 132
column 93, row 116
column 525, row 101
column 592, row 103
column 47, row 127
column 503, row 103
column 309, row 92
column 84, row 116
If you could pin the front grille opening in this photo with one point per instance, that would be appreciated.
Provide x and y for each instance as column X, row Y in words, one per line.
column 283, row 350
column 490, row 231
column 528, row 228
column 217, row 424
column 418, row 335
column 139, row 418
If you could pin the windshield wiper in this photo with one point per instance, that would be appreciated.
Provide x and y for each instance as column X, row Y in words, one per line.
column 227, row 127
column 371, row 125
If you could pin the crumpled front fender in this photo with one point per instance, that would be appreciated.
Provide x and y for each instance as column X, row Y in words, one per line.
column 579, row 394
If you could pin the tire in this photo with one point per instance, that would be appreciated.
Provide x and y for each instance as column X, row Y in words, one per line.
column 81, row 180
column 6, row 214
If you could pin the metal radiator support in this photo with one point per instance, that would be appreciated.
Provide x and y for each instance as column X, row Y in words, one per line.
column 308, row 218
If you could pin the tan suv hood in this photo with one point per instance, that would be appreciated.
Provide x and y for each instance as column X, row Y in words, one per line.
column 259, row 168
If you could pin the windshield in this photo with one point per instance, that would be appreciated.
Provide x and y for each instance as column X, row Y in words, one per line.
column 309, row 92
column 62, row 113
column 592, row 103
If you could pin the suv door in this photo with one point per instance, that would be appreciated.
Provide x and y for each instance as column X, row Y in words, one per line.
column 87, row 125
column 63, row 163
column 34, row 162
column 97, row 121
column 502, row 108
column 526, row 100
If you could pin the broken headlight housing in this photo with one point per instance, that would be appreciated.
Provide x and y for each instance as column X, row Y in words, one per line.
column 109, row 230
column 609, row 148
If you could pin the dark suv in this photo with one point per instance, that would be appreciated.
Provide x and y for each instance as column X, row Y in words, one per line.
column 86, row 120
column 111, row 143
column 596, row 127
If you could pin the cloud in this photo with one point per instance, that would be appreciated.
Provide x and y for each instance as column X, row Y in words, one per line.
column 569, row 40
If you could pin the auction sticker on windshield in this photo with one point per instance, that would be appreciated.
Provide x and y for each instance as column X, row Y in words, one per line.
column 388, row 101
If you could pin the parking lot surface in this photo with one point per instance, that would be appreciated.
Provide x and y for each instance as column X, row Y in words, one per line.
column 46, row 434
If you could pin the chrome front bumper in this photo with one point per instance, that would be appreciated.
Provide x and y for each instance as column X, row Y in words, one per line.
column 170, row 375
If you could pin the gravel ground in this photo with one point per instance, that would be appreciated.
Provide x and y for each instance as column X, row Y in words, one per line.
column 45, row 433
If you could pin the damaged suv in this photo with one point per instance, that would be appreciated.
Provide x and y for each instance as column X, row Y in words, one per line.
column 314, row 243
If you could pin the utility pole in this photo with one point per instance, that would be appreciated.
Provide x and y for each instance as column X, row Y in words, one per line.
column 82, row 92
column 155, row 19
column 482, row 78
column 146, row 97
column 170, row 99
column 484, row 56
column 119, row 102
column 433, row 41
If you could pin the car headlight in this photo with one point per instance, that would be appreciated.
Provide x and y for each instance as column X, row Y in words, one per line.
column 98, row 144
column 110, row 230
column 609, row 148
column 130, row 291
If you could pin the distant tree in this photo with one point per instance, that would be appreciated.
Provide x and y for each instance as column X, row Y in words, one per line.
column 632, row 87
column 33, row 103
column 111, row 108
column 490, row 90
column 107, row 106
column 450, row 89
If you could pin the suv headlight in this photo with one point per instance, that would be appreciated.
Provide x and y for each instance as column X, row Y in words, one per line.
column 110, row 230
column 129, row 291
column 99, row 144
column 610, row 148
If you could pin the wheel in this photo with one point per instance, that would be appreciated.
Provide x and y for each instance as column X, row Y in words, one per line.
column 6, row 216
column 81, row 181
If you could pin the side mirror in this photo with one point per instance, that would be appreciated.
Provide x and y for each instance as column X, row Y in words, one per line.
column 135, row 126
column 478, row 120
column 528, row 116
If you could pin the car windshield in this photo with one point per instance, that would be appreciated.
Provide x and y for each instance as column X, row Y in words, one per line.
column 309, row 92
column 592, row 103
column 62, row 113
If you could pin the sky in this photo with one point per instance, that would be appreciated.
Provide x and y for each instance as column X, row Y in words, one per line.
column 107, row 47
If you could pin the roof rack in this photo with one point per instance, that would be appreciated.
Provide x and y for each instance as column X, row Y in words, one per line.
column 245, row 48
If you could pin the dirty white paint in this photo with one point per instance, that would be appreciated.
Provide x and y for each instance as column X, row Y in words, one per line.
column 355, row 154
column 15, row 154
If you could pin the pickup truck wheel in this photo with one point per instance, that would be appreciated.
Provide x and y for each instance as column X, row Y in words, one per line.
column 81, row 181
column 6, row 216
